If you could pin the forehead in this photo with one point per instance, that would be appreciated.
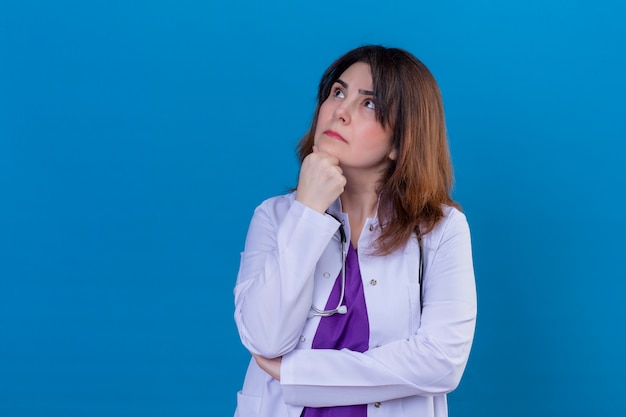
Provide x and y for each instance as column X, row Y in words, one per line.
column 359, row 74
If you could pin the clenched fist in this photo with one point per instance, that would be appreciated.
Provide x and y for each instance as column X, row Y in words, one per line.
column 321, row 181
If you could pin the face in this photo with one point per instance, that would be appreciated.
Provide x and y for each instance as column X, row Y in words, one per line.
column 347, row 127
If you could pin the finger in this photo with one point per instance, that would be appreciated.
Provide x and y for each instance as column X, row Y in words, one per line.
column 323, row 156
column 332, row 160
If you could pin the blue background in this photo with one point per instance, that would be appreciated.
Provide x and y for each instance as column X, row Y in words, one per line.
column 136, row 138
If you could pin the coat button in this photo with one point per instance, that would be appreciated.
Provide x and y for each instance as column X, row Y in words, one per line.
column 373, row 282
column 326, row 275
column 377, row 404
column 302, row 339
column 371, row 227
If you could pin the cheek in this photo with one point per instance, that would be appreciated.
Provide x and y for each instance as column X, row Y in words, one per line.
column 322, row 118
column 377, row 136
column 325, row 112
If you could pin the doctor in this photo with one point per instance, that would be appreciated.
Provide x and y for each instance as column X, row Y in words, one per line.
column 356, row 294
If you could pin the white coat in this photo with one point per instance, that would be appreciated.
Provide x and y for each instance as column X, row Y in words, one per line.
column 291, row 258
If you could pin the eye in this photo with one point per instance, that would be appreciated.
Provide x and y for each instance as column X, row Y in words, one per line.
column 370, row 104
column 337, row 92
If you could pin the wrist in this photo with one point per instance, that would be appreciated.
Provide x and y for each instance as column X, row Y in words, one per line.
column 312, row 205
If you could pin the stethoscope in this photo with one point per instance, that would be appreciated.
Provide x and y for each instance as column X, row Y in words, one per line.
column 342, row 309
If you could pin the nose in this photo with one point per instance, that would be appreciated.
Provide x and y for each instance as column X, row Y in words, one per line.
column 342, row 112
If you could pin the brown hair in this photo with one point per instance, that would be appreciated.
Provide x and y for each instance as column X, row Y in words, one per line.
column 418, row 183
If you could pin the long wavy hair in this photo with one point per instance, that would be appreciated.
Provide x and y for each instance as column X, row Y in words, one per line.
column 415, row 187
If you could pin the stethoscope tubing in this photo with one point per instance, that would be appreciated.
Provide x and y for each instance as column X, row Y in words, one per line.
column 342, row 309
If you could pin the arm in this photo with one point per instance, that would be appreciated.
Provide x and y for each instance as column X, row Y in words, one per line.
column 429, row 363
column 271, row 366
column 274, row 287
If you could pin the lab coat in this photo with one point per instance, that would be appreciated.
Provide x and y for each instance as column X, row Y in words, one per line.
column 291, row 259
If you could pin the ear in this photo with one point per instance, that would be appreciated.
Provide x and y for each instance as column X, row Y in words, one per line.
column 393, row 155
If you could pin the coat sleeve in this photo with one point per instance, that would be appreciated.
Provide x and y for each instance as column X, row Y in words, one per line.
column 430, row 362
column 274, row 286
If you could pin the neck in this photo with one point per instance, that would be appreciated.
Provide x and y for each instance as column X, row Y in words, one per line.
column 359, row 204
column 360, row 196
column 360, row 201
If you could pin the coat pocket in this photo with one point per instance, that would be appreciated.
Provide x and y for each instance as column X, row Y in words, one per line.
column 247, row 405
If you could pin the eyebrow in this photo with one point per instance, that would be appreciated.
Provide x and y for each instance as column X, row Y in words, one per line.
column 345, row 85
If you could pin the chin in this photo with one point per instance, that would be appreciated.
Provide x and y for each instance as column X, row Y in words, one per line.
column 328, row 149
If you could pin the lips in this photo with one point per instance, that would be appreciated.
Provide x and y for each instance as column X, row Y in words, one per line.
column 334, row 135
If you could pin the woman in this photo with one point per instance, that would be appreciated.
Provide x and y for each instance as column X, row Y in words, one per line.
column 356, row 293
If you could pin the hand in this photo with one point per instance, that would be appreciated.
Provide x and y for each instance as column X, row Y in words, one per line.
column 271, row 366
column 321, row 180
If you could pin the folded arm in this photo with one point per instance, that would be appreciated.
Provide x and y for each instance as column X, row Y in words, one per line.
column 430, row 362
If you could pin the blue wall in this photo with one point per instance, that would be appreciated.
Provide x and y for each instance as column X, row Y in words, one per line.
column 136, row 138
